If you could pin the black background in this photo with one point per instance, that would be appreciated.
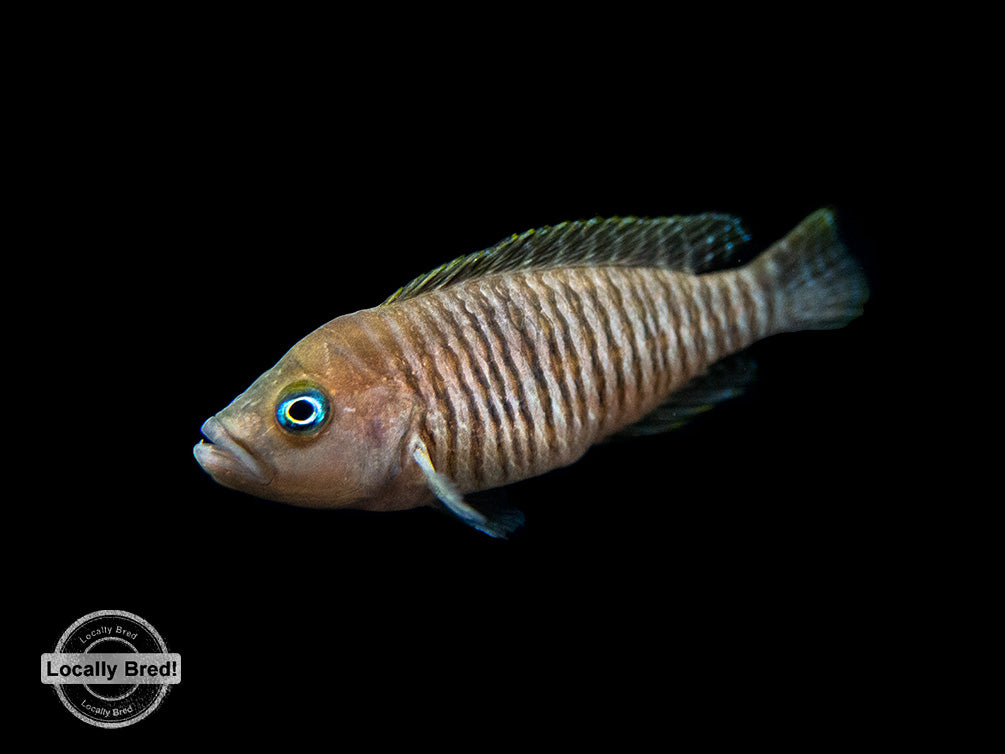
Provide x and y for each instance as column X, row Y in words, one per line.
column 196, row 216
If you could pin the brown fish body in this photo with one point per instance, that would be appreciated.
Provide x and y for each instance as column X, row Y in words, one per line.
column 503, row 376
column 520, row 373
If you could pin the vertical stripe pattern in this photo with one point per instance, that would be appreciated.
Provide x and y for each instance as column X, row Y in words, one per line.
column 521, row 372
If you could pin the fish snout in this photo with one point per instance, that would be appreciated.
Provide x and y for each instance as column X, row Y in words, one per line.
column 226, row 460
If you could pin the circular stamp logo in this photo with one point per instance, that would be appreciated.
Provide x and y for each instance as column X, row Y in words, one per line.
column 111, row 668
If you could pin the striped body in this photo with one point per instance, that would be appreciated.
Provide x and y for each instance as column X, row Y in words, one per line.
column 521, row 372
column 507, row 363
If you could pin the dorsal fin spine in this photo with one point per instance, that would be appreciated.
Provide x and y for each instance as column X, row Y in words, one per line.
column 698, row 243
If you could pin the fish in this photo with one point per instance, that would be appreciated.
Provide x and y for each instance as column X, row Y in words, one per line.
column 510, row 362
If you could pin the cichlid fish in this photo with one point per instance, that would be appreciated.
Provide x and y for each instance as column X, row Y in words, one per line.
column 513, row 361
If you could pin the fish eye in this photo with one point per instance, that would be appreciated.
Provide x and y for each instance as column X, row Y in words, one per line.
column 302, row 409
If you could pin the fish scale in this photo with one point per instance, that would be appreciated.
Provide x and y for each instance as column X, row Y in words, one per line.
column 544, row 363
column 507, row 363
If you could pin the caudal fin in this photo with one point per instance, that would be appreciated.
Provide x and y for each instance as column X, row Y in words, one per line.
column 818, row 285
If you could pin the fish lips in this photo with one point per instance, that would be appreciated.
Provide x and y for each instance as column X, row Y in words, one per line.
column 227, row 461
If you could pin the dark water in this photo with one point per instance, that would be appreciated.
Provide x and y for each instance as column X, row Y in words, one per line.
column 743, row 560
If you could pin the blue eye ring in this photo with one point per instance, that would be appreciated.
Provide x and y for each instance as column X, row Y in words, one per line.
column 302, row 409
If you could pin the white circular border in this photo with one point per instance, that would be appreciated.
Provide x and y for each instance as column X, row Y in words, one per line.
column 161, row 692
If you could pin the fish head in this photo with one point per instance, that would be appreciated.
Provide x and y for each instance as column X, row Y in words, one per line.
column 319, row 429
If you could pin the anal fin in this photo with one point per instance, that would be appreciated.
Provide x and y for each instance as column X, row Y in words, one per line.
column 724, row 380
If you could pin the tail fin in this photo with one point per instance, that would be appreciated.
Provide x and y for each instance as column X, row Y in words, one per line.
column 818, row 285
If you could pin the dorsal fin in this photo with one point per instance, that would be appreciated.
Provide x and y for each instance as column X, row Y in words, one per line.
column 695, row 243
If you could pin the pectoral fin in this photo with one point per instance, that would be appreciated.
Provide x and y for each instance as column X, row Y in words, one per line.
column 499, row 525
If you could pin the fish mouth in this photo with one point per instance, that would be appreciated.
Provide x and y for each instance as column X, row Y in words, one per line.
column 226, row 460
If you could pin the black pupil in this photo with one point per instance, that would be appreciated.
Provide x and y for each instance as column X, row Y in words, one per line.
column 301, row 410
